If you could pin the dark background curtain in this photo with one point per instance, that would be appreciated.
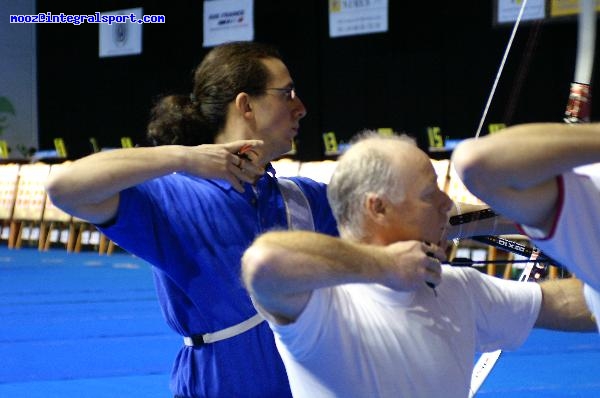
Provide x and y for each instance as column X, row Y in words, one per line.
column 435, row 67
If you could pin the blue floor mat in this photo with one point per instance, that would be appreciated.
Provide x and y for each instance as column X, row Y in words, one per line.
column 75, row 323
column 84, row 325
column 550, row 364
column 147, row 386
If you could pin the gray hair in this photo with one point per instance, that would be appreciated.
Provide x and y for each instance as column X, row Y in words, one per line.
column 365, row 168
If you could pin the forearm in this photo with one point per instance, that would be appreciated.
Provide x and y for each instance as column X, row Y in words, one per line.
column 564, row 307
column 526, row 155
column 98, row 176
column 92, row 180
column 281, row 269
column 291, row 262
column 514, row 171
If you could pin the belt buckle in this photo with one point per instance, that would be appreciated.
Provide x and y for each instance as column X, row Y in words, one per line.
column 197, row 340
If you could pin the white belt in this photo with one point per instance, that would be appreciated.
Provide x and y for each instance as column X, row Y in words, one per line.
column 223, row 334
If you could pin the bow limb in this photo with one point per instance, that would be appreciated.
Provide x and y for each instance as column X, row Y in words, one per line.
column 579, row 104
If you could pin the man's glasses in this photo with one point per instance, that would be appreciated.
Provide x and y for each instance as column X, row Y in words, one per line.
column 288, row 92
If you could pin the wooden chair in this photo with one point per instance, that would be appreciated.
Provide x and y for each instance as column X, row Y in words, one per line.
column 86, row 234
column 29, row 203
column 9, row 176
column 105, row 246
column 55, row 224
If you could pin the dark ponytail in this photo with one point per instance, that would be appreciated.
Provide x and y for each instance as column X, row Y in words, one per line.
column 226, row 71
column 175, row 120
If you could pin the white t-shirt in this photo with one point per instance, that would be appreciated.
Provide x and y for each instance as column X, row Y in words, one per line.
column 365, row 340
column 574, row 240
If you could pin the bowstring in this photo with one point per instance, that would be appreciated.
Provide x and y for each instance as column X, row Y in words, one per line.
column 493, row 90
column 500, row 69
column 487, row 360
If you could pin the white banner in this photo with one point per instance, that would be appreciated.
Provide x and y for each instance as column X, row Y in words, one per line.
column 508, row 10
column 357, row 17
column 228, row 20
column 121, row 38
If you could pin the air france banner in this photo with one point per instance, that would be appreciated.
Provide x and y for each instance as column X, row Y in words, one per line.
column 357, row 17
column 228, row 20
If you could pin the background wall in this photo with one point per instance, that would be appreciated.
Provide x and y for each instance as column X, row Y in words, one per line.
column 435, row 67
column 18, row 76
